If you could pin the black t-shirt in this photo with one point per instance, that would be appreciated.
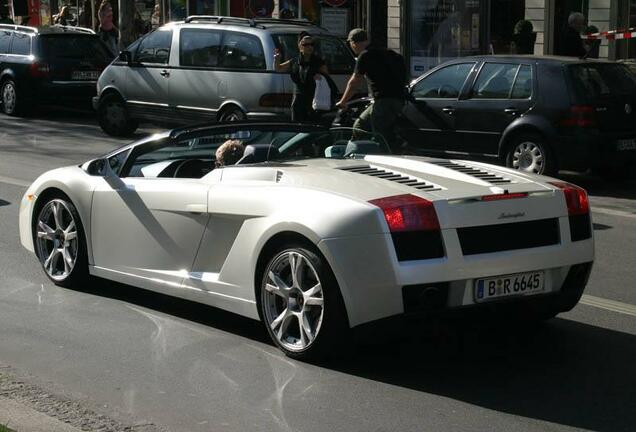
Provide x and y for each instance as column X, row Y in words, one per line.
column 572, row 44
column 302, row 74
column 383, row 76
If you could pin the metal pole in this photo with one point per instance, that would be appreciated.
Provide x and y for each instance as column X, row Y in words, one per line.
column 300, row 9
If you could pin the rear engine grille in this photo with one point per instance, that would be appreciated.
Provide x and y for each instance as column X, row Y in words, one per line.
column 393, row 176
column 511, row 236
column 474, row 172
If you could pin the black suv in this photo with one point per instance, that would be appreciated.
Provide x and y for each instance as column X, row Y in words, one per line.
column 51, row 64
column 536, row 114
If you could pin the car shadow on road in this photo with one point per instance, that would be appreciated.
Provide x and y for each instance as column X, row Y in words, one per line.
column 561, row 371
column 4, row 203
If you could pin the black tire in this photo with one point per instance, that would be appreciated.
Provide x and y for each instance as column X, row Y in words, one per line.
column 13, row 103
column 332, row 336
column 232, row 114
column 529, row 152
column 78, row 275
column 114, row 118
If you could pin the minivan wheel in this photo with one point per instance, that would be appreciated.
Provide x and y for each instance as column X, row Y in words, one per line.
column 531, row 154
column 11, row 104
column 114, row 118
column 232, row 114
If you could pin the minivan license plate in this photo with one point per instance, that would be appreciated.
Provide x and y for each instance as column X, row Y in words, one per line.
column 509, row 286
column 84, row 75
column 626, row 144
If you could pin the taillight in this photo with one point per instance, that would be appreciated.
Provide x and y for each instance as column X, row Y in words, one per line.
column 39, row 70
column 575, row 198
column 581, row 116
column 276, row 100
column 504, row 196
column 408, row 213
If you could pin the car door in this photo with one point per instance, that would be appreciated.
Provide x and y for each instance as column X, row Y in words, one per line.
column 430, row 114
column 501, row 93
column 146, row 224
column 148, row 77
column 195, row 83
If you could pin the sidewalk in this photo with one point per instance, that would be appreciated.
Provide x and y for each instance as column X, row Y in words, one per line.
column 21, row 418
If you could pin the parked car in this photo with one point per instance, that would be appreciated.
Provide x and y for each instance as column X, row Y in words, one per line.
column 313, row 231
column 209, row 69
column 50, row 64
column 536, row 114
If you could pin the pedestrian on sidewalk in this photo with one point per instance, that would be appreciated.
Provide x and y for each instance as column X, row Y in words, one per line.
column 304, row 70
column 107, row 31
column 63, row 17
column 4, row 15
column 571, row 43
column 385, row 72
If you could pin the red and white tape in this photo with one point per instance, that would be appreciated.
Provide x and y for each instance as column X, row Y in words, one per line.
column 611, row 34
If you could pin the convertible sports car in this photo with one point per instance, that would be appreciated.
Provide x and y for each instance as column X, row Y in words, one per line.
column 314, row 231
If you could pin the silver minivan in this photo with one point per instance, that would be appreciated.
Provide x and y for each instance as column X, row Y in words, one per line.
column 209, row 68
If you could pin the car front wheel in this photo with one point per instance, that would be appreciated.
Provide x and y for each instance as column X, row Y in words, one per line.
column 301, row 305
column 531, row 154
column 114, row 118
column 60, row 242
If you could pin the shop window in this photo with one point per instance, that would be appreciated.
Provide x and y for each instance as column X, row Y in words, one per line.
column 445, row 83
column 155, row 48
column 199, row 47
column 242, row 51
column 495, row 81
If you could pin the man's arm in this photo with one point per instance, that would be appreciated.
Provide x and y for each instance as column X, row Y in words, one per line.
column 353, row 82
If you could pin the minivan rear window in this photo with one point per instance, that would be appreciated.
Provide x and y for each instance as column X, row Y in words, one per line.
column 602, row 80
column 75, row 47
column 337, row 56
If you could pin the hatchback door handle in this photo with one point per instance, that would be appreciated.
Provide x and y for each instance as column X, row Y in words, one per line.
column 511, row 111
column 164, row 73
column 448, row 110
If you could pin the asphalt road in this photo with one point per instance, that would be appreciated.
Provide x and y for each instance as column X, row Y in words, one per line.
column 140, row 357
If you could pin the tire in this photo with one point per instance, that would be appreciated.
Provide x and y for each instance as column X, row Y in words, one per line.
column 530, row 153
column 285, row 301
column 232, row 114
column 114, row 118
column 60, row 242
column 12, row 103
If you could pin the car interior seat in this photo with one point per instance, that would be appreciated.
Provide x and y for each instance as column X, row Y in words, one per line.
column 255, row 153
column 362, row 147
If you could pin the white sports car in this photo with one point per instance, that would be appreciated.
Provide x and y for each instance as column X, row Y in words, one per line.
column 314, row 231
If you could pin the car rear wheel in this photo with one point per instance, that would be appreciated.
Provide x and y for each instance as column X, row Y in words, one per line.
column 12, row 104
column 232, row 114
column 114, row 118
column 531, row 154
column 300, row 304
column 60, row 243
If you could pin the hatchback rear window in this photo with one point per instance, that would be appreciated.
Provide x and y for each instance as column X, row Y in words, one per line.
column 332, row 50
column 75, row 47
column 602, row 80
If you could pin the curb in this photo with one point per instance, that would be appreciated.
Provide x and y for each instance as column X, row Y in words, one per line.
column 24, row 419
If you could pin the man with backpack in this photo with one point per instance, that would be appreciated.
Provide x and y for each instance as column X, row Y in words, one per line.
column 385, row 72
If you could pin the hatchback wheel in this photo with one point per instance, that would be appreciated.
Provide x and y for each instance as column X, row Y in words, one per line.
column 530, row 153
column 11, row 104
column 60, row 242
column 301, row 305
column 114, row 118
column 232, row 114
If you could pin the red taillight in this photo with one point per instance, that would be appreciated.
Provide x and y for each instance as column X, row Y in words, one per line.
column 39, row 70
column 408, row 213
column 276, row 100
column 504, row 196
column 581, row 116
column 575, row 198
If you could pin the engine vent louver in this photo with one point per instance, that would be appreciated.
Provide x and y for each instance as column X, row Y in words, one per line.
column 474, row 172
column 392, row 176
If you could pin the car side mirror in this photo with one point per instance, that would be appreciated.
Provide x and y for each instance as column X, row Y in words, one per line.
column 125, row 56
column 99, row 167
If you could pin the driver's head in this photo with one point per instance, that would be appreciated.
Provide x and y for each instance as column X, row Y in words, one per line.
column 229, row 153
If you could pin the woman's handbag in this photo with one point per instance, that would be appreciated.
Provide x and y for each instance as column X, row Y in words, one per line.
column 322, row 95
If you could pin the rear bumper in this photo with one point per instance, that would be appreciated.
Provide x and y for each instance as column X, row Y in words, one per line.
column 593, row 150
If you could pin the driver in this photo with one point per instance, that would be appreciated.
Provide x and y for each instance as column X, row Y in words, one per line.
column 229, row 153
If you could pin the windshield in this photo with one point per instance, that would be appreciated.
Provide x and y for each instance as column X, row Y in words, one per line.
column 332, row 50
column 195, row 156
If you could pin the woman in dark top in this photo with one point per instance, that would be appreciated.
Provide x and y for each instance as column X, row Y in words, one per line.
column 304, row 70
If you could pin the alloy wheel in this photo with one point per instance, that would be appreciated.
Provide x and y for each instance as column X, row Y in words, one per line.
column 57, row 239
column 115, row 115
column 293, row 301
column 9, row 97
column 528, row 156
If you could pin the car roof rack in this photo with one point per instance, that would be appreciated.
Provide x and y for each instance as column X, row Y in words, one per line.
column 18, row 27
column 278, row 21
column 220, row 20
column 73, row 28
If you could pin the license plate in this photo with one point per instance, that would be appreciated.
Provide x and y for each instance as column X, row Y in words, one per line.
column 85, row 75
column 509, row 286
column 626, row 144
